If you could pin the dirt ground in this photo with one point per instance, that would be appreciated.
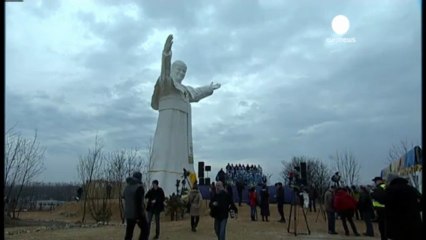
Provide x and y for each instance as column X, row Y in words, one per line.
column 63, row 224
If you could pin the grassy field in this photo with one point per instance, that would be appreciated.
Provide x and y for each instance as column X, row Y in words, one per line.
column 62, row 224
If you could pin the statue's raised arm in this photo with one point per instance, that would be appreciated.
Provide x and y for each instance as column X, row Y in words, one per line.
column 166, row 57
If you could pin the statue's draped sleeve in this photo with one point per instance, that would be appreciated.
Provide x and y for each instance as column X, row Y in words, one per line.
column 196, row 94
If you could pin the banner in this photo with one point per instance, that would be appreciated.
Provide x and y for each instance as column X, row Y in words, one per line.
column 408, row 166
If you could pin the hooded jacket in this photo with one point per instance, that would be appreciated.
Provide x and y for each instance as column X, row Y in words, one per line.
column 133, row 196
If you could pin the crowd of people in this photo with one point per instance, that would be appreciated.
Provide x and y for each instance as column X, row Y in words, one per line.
column 248, row 175
column 393, row 204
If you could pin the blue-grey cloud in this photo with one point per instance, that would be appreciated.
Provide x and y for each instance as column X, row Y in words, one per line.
column 286, row 91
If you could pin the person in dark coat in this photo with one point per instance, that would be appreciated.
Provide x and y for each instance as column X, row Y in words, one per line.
column 313, row 196
column 345, row 206
column 220, row 206
column 280, row 200
column 155, row 205
column 240, row 188
column 221, row 176
column 134, row 211
column 79, row 193
column 230, row 191
column 365, row 207
column 264, row 203
column 212, row 190
column 378, row 196
column 402, row 210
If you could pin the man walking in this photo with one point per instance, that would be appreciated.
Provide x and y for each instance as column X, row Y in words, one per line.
column 134, row 207
column 220, row 206
column 155, row 206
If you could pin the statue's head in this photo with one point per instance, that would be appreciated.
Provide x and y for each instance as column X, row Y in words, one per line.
column 178, row 71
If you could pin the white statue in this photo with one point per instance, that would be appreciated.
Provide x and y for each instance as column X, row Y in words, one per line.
column 172, row 146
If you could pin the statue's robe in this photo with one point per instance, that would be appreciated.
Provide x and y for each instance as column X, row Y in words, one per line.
column 172, row 145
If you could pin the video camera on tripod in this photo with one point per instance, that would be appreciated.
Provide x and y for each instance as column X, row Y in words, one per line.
column 297, row 181
column 183, row 182
column 298, row 177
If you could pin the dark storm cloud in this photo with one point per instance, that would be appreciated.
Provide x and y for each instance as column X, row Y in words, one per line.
column 285, row 90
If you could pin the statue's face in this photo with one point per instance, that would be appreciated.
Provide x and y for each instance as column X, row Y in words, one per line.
column 178, row 72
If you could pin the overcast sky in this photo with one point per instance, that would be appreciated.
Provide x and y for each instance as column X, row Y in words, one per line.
column 291, row 86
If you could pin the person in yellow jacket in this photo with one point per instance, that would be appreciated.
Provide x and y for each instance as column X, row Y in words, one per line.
column 378, row 196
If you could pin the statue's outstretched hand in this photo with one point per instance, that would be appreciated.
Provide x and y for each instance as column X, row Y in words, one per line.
column 168, row 44
column 215, row 86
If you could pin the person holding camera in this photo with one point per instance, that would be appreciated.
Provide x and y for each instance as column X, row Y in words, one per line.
column 220, row 206
column 336, row 179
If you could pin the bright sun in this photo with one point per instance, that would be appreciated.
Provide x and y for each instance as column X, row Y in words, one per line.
column 340, row 24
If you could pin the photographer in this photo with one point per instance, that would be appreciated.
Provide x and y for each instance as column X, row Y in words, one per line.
column 336, row 179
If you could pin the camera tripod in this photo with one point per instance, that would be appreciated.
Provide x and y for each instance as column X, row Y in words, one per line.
column 322, row 212
column 293, row 210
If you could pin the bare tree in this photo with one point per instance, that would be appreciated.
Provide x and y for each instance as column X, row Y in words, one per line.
column 13, row 160
column 123, row 163
column 318, row 174
column 116, row 161
column 24, row 159
column 100, row 205
column 33, row 158
column 88, row 169
column 348, row 167
column 147, row 164
column 290, row 166
column 398, row 150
